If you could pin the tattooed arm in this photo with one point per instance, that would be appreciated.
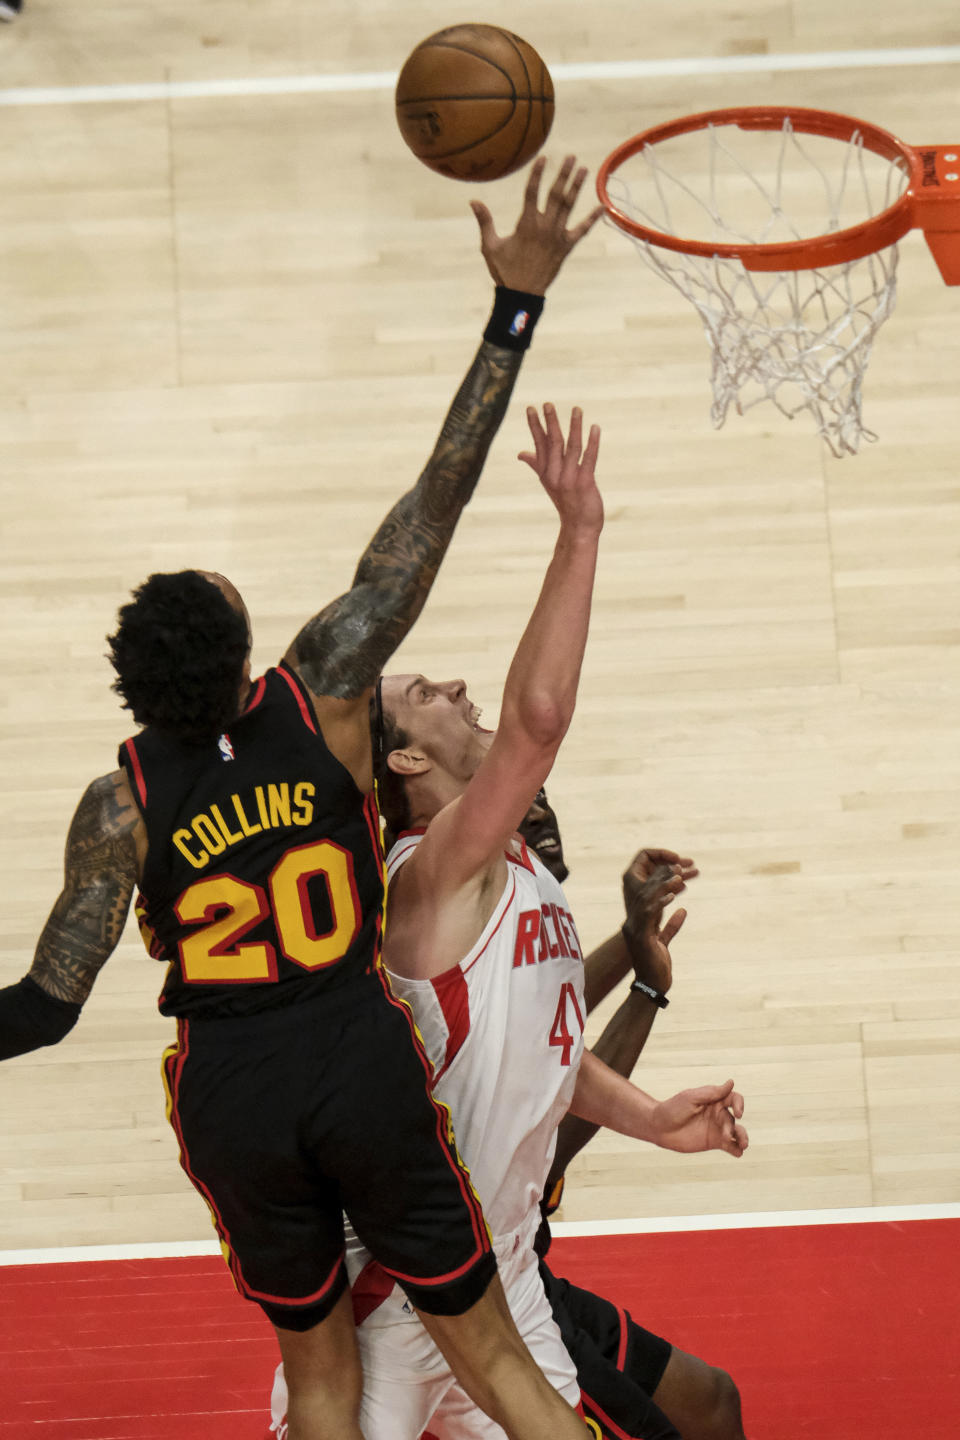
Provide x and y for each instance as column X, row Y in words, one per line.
column 85, row 924
column 341, row 651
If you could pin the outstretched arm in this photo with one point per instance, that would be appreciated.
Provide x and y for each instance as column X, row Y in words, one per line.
column 704, row 1118
column 651, row 881
column 469, row 835
column 342, row 650
column 85, row 925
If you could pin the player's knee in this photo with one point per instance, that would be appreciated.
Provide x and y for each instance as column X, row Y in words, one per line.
column 324, row 1409
column 725, row 1420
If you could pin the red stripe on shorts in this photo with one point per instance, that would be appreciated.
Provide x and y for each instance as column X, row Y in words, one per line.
column 480, row 1231
column 610, row 1427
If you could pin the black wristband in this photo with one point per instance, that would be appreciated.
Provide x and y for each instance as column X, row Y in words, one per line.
column 657, row 996
column 30, row 1018
column 513, row 319
column 641, row 986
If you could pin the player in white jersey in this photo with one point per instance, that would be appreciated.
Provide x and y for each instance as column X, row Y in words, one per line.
column 479, row 941
column 506, row 1076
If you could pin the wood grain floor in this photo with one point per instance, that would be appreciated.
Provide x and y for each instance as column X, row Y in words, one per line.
column 230, row 326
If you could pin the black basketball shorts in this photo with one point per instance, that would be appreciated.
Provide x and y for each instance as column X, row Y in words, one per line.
column 619, row 1364
column 288, row 1118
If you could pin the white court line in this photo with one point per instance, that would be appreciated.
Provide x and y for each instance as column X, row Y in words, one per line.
column 763, row 1220
column 386, row 79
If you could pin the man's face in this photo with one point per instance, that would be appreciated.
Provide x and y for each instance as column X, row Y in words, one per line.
column 541, row 831
column 440, row 721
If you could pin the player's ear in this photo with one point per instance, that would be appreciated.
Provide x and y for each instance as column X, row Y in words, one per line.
column 407, row 762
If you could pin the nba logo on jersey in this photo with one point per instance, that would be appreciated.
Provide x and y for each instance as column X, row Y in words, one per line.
column 226, row 749
column 519, row 322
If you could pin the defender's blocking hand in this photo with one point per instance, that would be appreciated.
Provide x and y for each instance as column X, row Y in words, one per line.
column 652, row 880
column 530, row 258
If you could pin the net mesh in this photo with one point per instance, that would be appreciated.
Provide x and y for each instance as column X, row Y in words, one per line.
column 800, row 339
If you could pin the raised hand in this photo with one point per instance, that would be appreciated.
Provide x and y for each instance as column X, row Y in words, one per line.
column 566, row 468
column 652, row 880
column 530, row 258
column 705, row 1118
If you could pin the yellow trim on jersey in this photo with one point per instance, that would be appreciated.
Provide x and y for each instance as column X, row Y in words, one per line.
column 168, row 1055
column 556, row 1195
column 440, row 1104
column 383, row 871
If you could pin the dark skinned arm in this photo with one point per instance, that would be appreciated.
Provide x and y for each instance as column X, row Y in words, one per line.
column 651, row 881
column 85, row 924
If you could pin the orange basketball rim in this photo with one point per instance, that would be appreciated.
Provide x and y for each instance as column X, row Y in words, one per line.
column 930, row 201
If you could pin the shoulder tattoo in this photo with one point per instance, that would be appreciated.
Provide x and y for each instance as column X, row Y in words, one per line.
column 100, row 872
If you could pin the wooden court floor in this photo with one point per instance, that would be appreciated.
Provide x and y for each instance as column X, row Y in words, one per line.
column 230, row 324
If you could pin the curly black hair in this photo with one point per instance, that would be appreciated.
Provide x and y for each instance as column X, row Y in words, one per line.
column 179, row 652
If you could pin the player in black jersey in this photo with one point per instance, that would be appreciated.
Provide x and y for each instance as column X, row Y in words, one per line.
column 632, row 1382
column 243, row 811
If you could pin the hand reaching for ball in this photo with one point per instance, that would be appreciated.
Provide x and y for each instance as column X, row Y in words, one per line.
column 530, row 258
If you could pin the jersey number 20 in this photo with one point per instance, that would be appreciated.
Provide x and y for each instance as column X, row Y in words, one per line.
column 226, row 909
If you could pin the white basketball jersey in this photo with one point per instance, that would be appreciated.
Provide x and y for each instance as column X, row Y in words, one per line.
column 504, row 1032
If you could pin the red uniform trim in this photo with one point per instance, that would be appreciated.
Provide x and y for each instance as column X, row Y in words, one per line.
column 300, row 699
column 506, row 908
column 371, row 812
column 301, row 1301
column 399, row 855
column 611, row 1428
column 141, row 784
column 573, row 997
column 229, row 947
column 624, row 1337
column 427, row 1282
column 472, row 1200
column 369, row 1290
column 174, row 1063
column 523, row 858
column 256, row 694
column 451, row 991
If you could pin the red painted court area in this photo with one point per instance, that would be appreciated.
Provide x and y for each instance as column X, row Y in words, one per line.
column 839, row 1332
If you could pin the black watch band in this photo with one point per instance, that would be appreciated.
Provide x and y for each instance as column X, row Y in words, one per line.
column 657, row 996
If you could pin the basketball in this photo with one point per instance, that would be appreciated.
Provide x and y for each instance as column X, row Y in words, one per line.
column 474, row 102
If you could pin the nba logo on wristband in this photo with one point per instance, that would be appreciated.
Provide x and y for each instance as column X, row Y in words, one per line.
column 520, row 322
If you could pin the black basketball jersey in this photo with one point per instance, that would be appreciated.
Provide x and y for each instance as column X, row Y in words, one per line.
column 264, row 872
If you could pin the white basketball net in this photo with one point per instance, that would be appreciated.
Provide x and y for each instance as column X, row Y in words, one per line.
column 801, row 338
